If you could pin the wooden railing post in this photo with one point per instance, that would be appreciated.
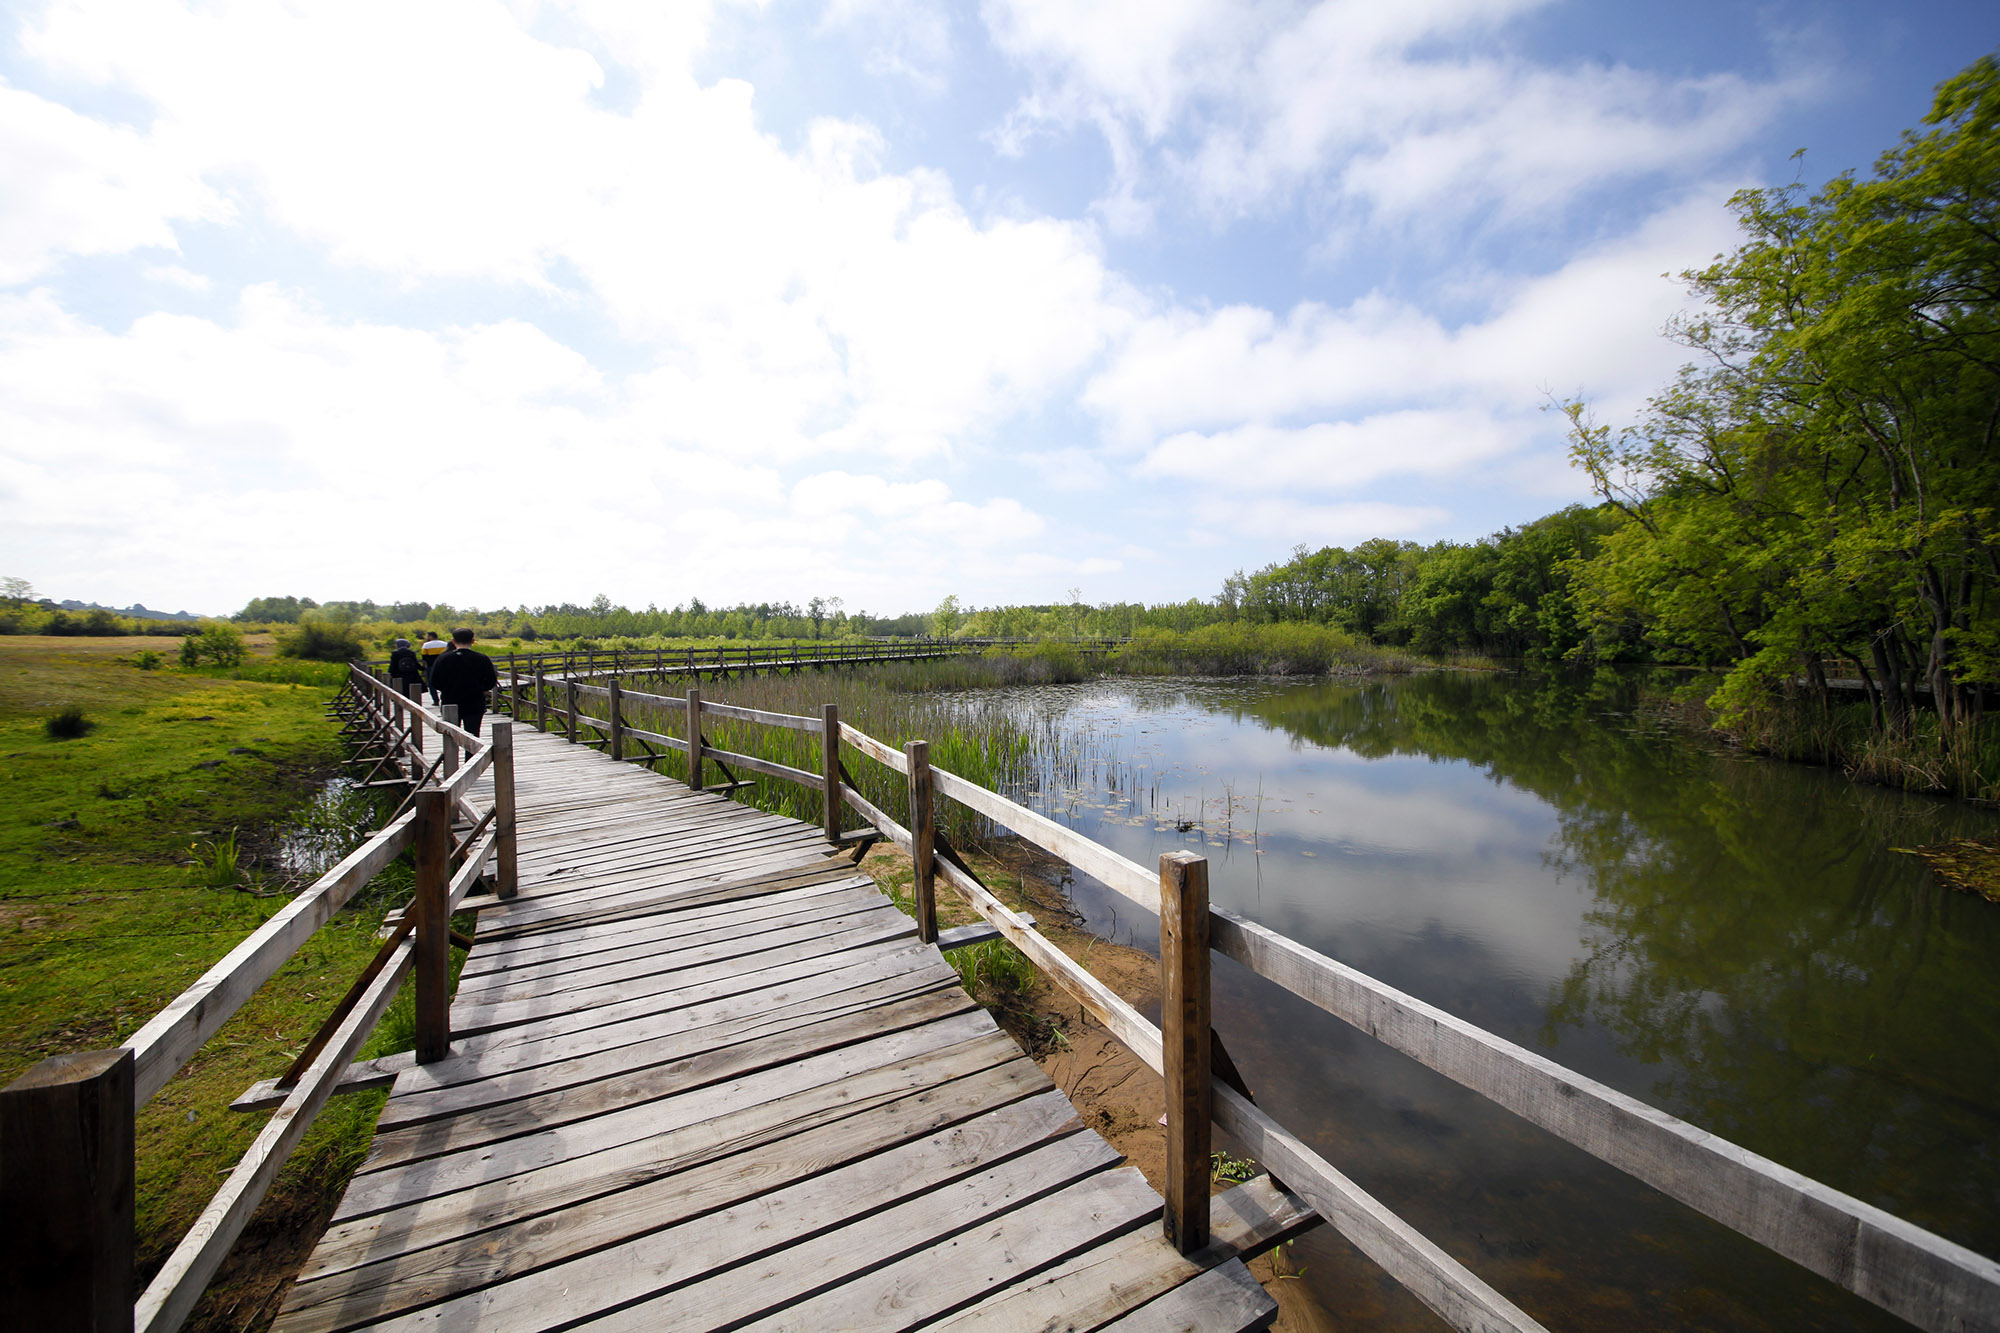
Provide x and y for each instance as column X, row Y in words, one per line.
column 694, row 739
column 432, row 962
column 1184, row 1032
column 414, row 691
column 513, row 687
column 449, row 742
column 923, row 839
column 66, row 1145
column 504, row 818
column 617, row 722
column 829, row 767
column 541, row 700
column 569, row 708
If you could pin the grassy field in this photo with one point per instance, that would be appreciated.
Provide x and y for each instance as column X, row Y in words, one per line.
column 112, row 901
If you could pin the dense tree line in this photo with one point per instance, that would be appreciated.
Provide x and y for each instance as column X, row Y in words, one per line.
column 1508, row 595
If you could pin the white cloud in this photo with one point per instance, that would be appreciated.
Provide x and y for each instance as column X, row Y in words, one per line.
column 1593, row 325
column 1388, row 110
column 176, row 276
column 1336, row 456
column 76, row 186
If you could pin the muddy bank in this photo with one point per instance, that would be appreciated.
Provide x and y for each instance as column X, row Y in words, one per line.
column 1114, row 1092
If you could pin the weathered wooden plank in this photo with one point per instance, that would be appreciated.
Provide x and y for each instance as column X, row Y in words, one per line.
column 640, row 931
column 478, row 1018
column 814, row 902
column 1104, row 1004
column 547, row 969
column 768, row 767
column 704, row 890
column 972, row 1263
column 539, row 1115
column 1424, row 1270
column 528, row 1044
column 789, row 721
column 748, row 1116
column 178, row 1285
column 1084, row 1292
column 707, row 1281
column 361, row 1076
column 526, row 1077
column 874, row 749
column 859, row 961
column 1126, row 877
column 856, row 1163
column 1219, row 1301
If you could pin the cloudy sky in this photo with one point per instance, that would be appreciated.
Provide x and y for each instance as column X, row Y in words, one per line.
column 504, row 303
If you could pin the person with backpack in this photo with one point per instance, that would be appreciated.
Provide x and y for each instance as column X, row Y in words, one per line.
column 434, row 648
column 463, row 678
column 406, row 670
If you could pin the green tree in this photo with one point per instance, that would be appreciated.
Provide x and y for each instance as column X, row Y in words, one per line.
column 944, row 620
column 1823, row 481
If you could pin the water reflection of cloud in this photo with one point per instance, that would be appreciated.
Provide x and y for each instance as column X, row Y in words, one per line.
column 1368, row 859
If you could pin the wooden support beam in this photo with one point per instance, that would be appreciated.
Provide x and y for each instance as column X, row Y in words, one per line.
column 829, row 760
column 979, row 932
column 66, row 1142
column 449, row 742
column 541, row 701
column 613, row 712
column 433, row 926
column 694, row 739
column 569, row 725
column 1185, row 1037
column 362, row 1075
column 505, row 814
column 923, row 834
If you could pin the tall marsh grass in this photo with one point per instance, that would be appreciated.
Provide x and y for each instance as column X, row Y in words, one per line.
column 1244, row 649
column 1961, row 760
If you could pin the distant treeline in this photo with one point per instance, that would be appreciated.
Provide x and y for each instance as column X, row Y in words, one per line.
column 24, row 617
column 1510, row 595
column 819, row 618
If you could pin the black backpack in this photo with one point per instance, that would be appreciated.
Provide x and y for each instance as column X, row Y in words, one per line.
column 403, row 664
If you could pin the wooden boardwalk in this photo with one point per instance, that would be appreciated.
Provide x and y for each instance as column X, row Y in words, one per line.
column 705, row 1076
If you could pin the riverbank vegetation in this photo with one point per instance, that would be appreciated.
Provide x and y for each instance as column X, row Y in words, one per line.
column 136, row 854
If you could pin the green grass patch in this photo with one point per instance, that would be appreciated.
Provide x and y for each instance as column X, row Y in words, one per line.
column 131, row 859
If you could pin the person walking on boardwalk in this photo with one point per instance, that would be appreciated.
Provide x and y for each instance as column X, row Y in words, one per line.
column 434, row 648
column 462, row 678
column 406, row 670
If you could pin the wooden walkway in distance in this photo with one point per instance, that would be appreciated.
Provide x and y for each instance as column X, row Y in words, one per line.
column 703, row 1076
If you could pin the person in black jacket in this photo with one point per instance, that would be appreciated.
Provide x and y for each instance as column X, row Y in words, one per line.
column 406, row 671
column 462, row 677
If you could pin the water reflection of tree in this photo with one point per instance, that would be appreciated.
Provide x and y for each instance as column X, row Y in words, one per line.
column 1789, row 982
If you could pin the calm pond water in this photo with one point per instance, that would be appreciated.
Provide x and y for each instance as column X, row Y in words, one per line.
column 1731, row 939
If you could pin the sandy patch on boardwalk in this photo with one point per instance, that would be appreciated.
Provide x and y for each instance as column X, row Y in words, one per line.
column 1114, row 1092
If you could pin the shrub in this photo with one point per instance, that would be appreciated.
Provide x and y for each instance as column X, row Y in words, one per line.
column 318, row 639
column 148, row 660
column 67, row 723
column 218, row 645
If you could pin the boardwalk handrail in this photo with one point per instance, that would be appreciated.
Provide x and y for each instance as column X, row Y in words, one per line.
column 98, row 1094
column 1931, row 1282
